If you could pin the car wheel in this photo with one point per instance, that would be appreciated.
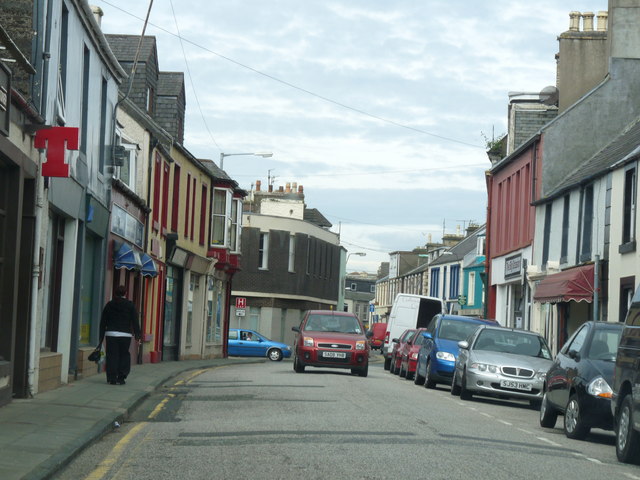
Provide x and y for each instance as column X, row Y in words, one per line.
column 403, row 371
column 298, row 367
column 574, row 425
column 387, row 363
column 455, row 388
column 392, row 366
column 417, row 378
column 363, row 372
column 428, row 378
column 464, row 393
column 275, row 355
column 627, row 441
column 548, row 414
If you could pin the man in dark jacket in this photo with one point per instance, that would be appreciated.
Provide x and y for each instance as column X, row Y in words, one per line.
column 118, row 324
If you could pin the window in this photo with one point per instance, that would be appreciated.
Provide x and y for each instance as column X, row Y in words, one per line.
column 236, row 225
column 219, row 217
column 435, row 282
column 354, row 287
column 629, row 212
column 480, row 245
column 104, row 125
column 471, row 289
column 187, row 207
column 263, row 252
column 193, row 208
column 127, row 172
column 547, row 233
column 292, row 253
column 156, row 191
column 564, row 247
column 372, row 289
column 62, row 72
column 454, row 281
column 86, row 59
column 175, row 207
column 587, row 223
column 165, row 195
column 578, row 340
column 203, row 214
column 627, row 288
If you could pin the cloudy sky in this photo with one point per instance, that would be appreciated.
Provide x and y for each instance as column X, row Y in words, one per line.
column 379, row 108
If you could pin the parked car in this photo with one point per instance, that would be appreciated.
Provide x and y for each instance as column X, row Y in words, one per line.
column 408, row 354
column 377, row 338
column 328, row 338
column 625, row 401
column 504, row 362
column 578, row 383
column 408, row 312
column 398, row 344
column 248, row 343
column 437, row 355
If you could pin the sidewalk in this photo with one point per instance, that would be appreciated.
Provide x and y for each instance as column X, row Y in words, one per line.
column 40, row 436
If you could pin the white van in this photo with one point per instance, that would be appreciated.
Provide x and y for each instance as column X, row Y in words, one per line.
column 408, row 311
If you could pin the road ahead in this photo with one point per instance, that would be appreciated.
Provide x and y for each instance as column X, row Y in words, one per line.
column 265, row 421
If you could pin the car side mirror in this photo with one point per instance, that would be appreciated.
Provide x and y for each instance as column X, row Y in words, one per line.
column 394, row 340
column 574, row 354
column 463, row 344
column 296, row 329
column 369, row 334
column 427, row 335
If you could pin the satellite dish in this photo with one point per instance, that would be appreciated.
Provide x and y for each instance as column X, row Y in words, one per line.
column 549, row 95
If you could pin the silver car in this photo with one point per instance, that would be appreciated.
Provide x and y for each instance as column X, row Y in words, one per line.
column 502, row 362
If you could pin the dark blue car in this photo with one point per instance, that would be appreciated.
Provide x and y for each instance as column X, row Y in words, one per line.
column 247, row 343
column 438, row 354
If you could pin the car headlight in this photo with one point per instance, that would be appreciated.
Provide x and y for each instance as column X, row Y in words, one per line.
column 287, row 347
column 308, row 342
column 541, row 375
column 598, row 387
column 485, row 367
column 446, row 356
column 360, row 344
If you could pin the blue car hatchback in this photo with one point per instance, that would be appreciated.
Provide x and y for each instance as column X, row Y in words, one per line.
column 248, row 343
column 438, row 354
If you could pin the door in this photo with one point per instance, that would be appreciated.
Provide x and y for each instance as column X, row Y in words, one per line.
column 172, row 314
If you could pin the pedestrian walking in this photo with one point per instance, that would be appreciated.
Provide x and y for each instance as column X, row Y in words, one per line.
column 119, row 323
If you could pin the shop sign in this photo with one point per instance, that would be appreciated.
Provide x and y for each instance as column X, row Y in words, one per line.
column 56, row 140
column 126, row 225
column 513, row 266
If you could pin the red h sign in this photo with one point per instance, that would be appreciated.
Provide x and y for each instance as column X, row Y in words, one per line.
column 241, row 302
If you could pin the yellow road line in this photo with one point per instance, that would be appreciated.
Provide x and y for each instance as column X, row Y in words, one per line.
column 103, row 467
column 160, row 406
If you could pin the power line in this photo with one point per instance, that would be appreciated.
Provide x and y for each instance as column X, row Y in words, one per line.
column 301, row 89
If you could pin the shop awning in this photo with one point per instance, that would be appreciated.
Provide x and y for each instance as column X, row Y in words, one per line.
column 148, row 266
column 575, row 284
column 125, row 257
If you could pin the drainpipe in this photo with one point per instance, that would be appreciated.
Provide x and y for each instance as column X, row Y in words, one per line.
column 596, row 290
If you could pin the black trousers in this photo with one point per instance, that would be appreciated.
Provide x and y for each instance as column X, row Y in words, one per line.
column 118, row 358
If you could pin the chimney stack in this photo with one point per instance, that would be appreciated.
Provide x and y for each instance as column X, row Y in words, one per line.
column 258, row 184
column 270, row 188
column 300, row 189
column 288, row 189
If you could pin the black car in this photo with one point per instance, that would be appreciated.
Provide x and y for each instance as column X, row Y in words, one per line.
column 625, row 404
column 578, row 384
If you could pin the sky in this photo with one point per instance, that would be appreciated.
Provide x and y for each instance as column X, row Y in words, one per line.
column 380, row 109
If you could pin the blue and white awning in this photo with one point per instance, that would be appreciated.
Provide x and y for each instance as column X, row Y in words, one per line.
column 126, row 258
column 148, row 266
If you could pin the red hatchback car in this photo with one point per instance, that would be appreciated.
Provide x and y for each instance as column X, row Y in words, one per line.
column 377, row 338
column 408, row 354
column 398, row 345
column 331, row 339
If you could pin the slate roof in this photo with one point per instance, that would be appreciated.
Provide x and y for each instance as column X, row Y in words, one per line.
column 459, row 250
column 170, row 84
column 621, row 150
column 312, row 215
column 124, row 46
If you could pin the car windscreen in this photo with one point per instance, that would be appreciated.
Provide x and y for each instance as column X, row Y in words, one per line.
column 332, row 323
column 456, row 330
column 508, row 341
column 604, row 344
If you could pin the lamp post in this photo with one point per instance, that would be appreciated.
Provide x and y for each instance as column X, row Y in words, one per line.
column 343, row 276
column 256, row 154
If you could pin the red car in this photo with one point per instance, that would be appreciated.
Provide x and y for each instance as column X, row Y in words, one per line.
column 378, row 329
column 328, row 338
column 408, row 354
column 398, row 344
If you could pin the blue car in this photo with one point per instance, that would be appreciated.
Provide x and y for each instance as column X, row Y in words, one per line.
column 247, row 343
column 438, row 354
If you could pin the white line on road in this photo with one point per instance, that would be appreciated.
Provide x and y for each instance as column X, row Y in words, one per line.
column 486, row 415
column 549, row 441
column 526, row 431
column 505, row 422
column 631, row 475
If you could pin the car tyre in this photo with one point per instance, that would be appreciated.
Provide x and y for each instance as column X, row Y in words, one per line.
column 363, row 372
column 574, row 425
column 403, row 371
column 298, row 367
column 428, row 378
column 548, row 414
column 387, row 363
column 627, row 439
column 417, row 378
column 464, row 393
column 455, row 388
column 275, row 354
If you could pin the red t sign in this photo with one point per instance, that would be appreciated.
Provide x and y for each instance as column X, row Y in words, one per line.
column 55, row 139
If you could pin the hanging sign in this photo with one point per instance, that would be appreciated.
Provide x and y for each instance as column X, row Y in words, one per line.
column 56, row 140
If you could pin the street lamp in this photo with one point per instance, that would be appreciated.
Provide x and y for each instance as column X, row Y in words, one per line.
column 257, row 154
column 359, row 254
column 343, row 277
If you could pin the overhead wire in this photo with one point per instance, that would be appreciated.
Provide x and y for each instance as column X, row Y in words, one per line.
column 301, row 89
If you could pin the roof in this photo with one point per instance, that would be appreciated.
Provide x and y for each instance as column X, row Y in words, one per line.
column 124, row 47
column 170, row 84
column 622, row 149
column 314, row 216
column 459, row 250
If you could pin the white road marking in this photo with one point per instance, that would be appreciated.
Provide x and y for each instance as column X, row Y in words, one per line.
column 631, row 475
column 505, row 422
column 549, row 441
column 486, row 415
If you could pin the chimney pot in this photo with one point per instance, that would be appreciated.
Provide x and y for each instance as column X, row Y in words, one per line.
column 281, row 189
column 258, row 184
column 587, row 21
column 300, row 189
column 270, row 188
column 574, row 21
column 288, row 189
column 602, row 21
column 97, row 14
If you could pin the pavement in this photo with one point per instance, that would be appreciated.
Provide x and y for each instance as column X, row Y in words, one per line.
column 39, row 436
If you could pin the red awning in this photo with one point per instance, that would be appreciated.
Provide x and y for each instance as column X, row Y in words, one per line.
column 575, row 284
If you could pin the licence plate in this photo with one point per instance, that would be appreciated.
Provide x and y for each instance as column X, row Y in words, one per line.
column 515, row 385
column 334, row 354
